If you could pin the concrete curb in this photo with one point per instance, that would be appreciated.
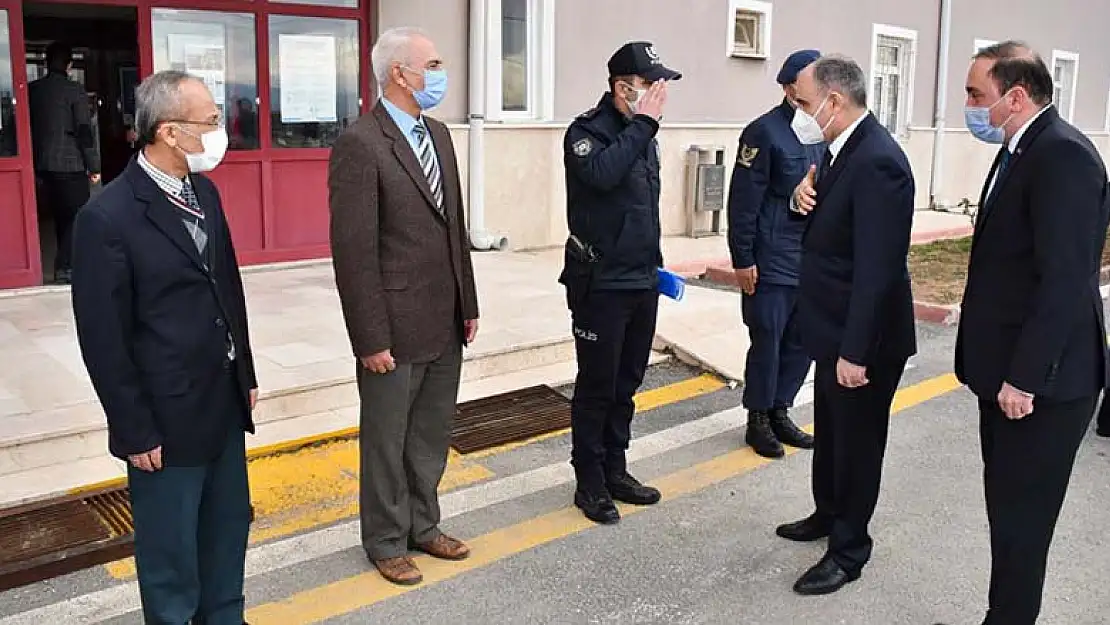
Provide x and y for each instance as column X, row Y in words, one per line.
column 949, row 314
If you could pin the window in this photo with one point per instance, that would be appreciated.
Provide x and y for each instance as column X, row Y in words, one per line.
column 749, row 29
column 983, row 43
column 1106, row 125
column 314, row 79
column 1065, row 75
column 516, row 56
column 892, row 73
column 218, row 48
column 520, row 68
column 349, row 4
column 8, row 145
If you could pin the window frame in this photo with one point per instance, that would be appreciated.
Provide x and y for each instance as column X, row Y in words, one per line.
column 540, row 90
column 766, row 12
column 904, row 116
column 1073, row 57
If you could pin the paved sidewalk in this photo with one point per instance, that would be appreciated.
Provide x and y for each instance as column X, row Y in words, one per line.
column 49, row 417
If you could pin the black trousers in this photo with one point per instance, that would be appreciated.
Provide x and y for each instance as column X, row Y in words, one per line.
column 191, row 526
column 777, row 363
column 1027, row 464
column 850, row 428
column 66, row 193
column 613, row 334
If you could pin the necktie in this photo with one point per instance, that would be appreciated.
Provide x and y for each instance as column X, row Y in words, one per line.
column 826, row 164
column 426, row 153
column 194, row 217
column 1003, row 163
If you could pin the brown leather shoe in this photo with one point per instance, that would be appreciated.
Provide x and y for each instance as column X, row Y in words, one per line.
column 400, row 570
column 445, row 548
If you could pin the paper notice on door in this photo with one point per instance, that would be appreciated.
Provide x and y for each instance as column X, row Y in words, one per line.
column 308, row 78
column 203, row 56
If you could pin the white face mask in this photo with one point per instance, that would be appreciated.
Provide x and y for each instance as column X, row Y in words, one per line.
column 633, row 105
column 215, row 146
column 806, row 127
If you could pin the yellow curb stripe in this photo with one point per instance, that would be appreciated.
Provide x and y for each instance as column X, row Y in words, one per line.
column 365, row 589
column 645, row 401
column 318, row 483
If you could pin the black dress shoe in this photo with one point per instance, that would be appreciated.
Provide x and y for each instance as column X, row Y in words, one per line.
column 824, row 578
column 1103, row 430
column 788, row 432
column 760, row 437
column 598, row 507
column 628, row 489
column 807, row 530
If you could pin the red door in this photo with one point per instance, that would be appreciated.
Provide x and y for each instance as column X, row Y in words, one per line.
column 20, row 262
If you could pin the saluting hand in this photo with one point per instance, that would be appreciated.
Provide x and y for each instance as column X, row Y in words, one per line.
column 805, row 194
column 653, row 100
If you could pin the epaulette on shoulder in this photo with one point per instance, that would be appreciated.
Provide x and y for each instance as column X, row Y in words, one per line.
column 590, row 114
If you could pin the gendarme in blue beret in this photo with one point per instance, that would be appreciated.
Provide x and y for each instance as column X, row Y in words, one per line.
column 794, row 64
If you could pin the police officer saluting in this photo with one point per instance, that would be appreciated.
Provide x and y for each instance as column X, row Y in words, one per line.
column 610, row 271
column 766, row 248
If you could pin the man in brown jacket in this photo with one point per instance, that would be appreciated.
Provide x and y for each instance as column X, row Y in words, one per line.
column 402, row 267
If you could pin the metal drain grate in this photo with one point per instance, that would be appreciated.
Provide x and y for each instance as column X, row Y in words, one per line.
column 43, row 540
column 50, row 538
column 508, row 418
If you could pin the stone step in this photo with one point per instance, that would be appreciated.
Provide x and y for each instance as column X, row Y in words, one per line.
column 62, row 463
column 30, row 441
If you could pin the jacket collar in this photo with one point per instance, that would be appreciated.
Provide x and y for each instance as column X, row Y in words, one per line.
column 404, row 153
column 166, row 218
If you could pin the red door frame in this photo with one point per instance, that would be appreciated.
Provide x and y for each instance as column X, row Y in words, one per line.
column 22, row 164
column 265, row 155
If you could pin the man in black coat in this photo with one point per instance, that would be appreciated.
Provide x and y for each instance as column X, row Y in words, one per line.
column 162, row 324
column 610, row 270
column 855, row 309
column 1031, row 341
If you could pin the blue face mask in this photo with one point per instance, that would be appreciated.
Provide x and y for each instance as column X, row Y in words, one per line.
column 435, row 87
column 978, row 121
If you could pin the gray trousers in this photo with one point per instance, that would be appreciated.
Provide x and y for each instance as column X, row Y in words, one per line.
column 404, row 432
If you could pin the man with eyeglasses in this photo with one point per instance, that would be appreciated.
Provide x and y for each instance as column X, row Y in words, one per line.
column 162, row 325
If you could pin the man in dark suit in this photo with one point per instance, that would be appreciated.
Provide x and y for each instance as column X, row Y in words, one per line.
column 855, row 309
column 64, row 148
column 402, row 267
column 1031, row 342
column 162, row 324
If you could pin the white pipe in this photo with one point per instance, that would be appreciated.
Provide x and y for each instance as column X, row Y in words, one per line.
column 479, row 41
column 941, row 108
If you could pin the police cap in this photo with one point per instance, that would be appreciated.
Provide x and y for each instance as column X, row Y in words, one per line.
column 639, row 58
column 794, row 64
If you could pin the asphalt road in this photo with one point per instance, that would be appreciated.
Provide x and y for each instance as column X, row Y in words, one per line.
column 707, row 554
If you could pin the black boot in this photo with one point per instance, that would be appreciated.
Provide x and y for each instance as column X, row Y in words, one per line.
column 624, row 487
column 787, row 432
column 761, row 437
column 597, row 505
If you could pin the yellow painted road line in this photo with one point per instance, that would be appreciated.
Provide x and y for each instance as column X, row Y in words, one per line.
column 313, row 487
column 318, row 483
column 645, row 400
column 366, row 589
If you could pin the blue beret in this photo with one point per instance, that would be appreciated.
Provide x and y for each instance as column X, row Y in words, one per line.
column 794, row 64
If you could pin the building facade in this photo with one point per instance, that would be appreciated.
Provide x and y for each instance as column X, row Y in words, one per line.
column 291, row 75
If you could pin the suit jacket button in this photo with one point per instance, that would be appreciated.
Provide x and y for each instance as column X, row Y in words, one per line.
column 219, row 322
